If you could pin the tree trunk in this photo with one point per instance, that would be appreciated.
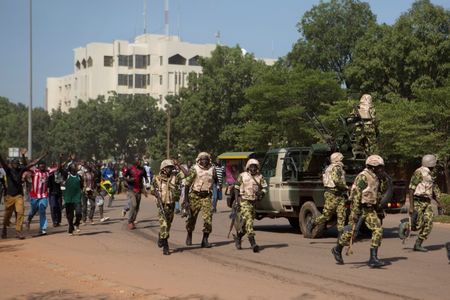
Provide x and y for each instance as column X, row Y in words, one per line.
column 447, row 174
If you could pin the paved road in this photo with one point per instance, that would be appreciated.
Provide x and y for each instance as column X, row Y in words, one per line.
column 107, row 261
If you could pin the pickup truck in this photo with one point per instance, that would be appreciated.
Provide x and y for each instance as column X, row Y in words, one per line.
column 294, row 176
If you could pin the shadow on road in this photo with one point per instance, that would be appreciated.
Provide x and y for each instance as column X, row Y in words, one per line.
column 276, row 246
column 94, row 233
column 10, row 248
column 388, row 261
column 276, row 228
column 61, row 295
column 198, row 246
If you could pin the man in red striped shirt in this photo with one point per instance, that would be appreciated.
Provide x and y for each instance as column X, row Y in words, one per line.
column 39, row 195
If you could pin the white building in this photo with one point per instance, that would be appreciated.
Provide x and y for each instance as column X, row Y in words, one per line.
column 155, row 65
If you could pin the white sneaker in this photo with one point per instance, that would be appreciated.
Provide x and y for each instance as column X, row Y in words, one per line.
column 104, row 219
column 77, row 229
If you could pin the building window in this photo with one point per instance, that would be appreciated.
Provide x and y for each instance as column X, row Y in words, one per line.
column 160, row 60
column 78, row 65
column 84, row 63
column 141, row 61
column 126, row 61
column 108, row 61
column 148, row 60
column 148, row 79
column 160, row 80
column 130, row 81
column 89, row 62
column 122, row 79
column 140, row 81
column 194, row 61
column 177, row 59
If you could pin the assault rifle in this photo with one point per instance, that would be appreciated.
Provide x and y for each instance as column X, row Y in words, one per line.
column 234, row 215
column 159, row 201
column 185, row 205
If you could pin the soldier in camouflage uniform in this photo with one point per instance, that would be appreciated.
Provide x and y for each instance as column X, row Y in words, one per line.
column 366, row 131
column 423, row 189
column 167, row 184
column 200, row 180
column 249, row 188
column 335, row 195
column 364, row 196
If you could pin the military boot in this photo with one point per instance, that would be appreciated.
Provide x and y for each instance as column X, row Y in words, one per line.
column 418, row 246
column 205, row 243
column 374, row 262
column 4, row 233
column 238, row 240
column 165, row 244
column 253, row 244
column 337, row 253
column 160, row 242
column 189, row 238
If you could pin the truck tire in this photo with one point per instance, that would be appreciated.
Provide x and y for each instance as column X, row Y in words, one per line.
column 294, row 223
column 308, row 211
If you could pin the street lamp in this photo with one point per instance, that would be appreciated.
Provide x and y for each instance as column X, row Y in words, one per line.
column 30, row 104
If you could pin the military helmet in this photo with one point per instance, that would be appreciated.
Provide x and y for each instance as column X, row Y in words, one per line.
column 429, row 161
column 250, row 162
column 203, row 154
column 366, row 99
column 375, row 160
column 336, row 157
column 404, row 229
column 166, row 163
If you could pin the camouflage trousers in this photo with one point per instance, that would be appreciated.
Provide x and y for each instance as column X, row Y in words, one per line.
column 372, row 222
column 197, row 205
column 334, row 204
column 366, row 139
column 424, row 218
column 247, row 213
column 165, row 220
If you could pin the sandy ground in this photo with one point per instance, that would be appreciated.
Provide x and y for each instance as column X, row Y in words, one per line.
column 107, row 261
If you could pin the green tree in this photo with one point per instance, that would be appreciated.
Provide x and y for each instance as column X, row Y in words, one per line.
column 329, row 33
column 412, row 54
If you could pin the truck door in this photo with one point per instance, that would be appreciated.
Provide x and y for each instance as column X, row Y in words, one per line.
column 289, row 189
column 268, row 170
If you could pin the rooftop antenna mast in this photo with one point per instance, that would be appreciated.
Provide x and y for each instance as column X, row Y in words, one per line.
column 218, row 37
column 145, row 16
column 166, row 17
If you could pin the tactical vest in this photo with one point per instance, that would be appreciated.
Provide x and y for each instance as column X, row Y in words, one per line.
column 203, row 180
column 327, row 178
column 166, row 188
column 369, row 194
column 425, row 187
column 249, row 187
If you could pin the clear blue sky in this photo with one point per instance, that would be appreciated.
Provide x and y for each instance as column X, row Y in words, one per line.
column 265, row 27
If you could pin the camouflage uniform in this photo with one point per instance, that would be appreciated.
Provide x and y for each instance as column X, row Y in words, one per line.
column 366, row 132
column 366, row 210
column 248, row 188
column 170, row 193
column 200, row 198
column 334, row 197
column 424, row 187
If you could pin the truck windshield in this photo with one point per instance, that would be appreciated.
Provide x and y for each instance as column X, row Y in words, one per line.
column 269, row 165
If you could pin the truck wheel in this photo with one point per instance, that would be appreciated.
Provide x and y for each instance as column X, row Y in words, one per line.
column 294, row 223
column 307, row 212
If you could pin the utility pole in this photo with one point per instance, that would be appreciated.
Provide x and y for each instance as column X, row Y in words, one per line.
column 168, row 132
column 30, row 104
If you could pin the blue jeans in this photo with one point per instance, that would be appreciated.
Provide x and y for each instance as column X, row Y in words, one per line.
column 55, row 208
column 41, row 205
column 217, row 195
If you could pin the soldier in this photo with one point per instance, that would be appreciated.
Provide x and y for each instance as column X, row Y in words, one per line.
column 335, row 195
column 249, row 188
column 364, row 196
column 200, row 179
column 366, row 131
column 165, row 186
column 422, row 189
